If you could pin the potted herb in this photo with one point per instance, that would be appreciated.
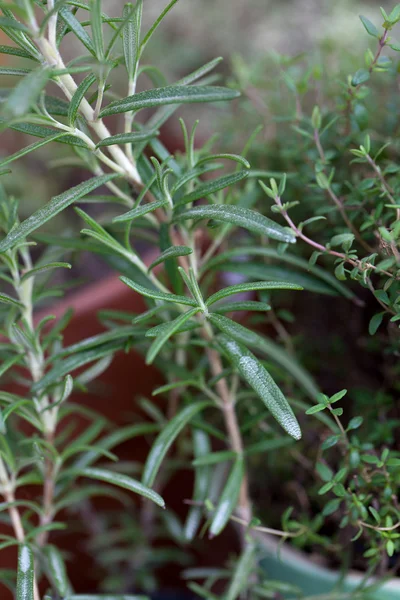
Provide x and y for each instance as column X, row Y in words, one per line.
column 217, row 409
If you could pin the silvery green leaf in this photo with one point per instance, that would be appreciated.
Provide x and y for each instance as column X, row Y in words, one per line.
column 174, row 94
column 241, row 217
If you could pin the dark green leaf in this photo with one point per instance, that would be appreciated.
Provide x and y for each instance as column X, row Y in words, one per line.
column 375, row 322
column 52, row 208
column 157, row 295
column 171, row 252
column 131, row 37
column 210, row 187
column 249, row 287
column 172, row 328
column 58, row 573
column 6, row 299
column 75, row 26
column 140, row 211
column 78, row 97
column 166, row 439
column 244, row 567
column 241, row 217
column 202, row 448
column 128, row 138
column 169, row 95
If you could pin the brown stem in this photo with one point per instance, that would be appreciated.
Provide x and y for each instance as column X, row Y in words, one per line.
column 232, row 426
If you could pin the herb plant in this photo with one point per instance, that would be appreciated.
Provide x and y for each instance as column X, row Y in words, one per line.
column 219, row 409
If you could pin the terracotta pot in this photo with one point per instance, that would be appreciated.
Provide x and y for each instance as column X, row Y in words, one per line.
column 127, row 377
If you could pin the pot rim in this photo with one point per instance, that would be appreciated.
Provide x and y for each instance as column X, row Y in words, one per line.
column 286, row 553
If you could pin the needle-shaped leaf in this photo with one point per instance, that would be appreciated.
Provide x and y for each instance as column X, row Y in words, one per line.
column 74, row 362
column 13, row 71
column 6, row 299
column 75, row 26
column 25, row 573
column 229, row 497
column 52, row 208
column 241, row 217
column 58, row 573
column 11, row 50
column 37, row 270
column 139, row 211
column 97, row 28
column 122, row 481
column 172, row 328
column 45, row 132
column 26, row 93
column 251, row 287
column 156, row 24
column 129, row 138
column 259, row 380
column 174, row 94
column 157, row 295
column 261, row 344
column 78, row 97
column 131, row 36
column 244, row 567
column 210, row 187
column 202, row 479
column 248, row 305
column 167, row 437
column 31, row 148
column 171, row 252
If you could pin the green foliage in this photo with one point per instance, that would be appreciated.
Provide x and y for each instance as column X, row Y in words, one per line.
column 233, row 396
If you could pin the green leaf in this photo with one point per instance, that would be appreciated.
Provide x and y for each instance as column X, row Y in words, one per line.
column 242, row 217
column 360, row 77
column 58, row 573
column 131, row 37
column 36, row 270
column 173, row 326
column 258, row 378
column 229, row 497
column 262, row 271
column 287, row 258
column 369, row 27
column 375, row 322
column 167, row 96
column 78, row 97
column 243, row 569
column 166, row 438
column 14, row 71
column 202, row 448
column 156, row 24
column 249, row 287
column 43, row 132
column 25, row 574
column 11, row 50
column 248, row 305
column 157, row 295
column 6, row 299
column 31, row 148
column 354, row 423
column 213, row 458
column 210, row 187
column 26, row 93
column 97, row 28
column 74, row 25
column 140, row 211
column 75, row 361
column 394, row 15
column 171, row 252
column 122, row 481
column 263, row 345
column 52, row 208
column 129, row 138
